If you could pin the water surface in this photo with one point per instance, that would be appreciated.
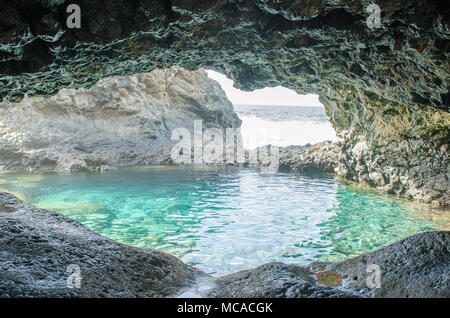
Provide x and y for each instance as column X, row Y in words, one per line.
column 224, row 220
column 283, row 125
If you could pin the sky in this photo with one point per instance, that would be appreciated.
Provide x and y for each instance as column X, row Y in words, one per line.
column 267, row 96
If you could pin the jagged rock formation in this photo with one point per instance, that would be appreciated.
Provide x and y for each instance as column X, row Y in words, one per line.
column 37, row 246
column 321, row 157
column 406, row 167
column 386, row 89
column 120, row 121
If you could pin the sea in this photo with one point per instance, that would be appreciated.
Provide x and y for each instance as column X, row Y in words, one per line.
column 284, row 125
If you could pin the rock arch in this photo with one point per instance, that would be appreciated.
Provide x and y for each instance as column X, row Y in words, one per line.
column 386, row 90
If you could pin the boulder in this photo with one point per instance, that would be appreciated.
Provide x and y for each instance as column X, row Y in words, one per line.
column 41, row 252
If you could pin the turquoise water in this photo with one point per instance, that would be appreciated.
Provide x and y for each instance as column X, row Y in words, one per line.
column 223, row 220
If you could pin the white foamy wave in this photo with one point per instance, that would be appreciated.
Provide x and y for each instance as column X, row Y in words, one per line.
column 258, row 132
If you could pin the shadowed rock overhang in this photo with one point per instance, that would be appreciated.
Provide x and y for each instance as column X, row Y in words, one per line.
column 386, row 89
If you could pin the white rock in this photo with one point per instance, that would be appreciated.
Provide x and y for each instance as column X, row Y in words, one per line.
column 120, row 121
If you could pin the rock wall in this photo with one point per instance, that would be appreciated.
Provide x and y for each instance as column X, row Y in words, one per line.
column 407, row 167
column 321, row 157
column 401, row 149
column 120, row 121
column 385, row 89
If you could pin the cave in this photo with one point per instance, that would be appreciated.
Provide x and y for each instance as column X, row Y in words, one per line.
column 385, row 88
column 277, row 116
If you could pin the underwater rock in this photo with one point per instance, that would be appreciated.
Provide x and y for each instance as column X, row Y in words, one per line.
column 121, row 121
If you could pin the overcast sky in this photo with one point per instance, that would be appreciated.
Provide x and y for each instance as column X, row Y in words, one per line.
column 266, row 96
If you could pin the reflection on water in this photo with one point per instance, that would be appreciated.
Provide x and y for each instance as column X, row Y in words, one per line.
column 223, row 220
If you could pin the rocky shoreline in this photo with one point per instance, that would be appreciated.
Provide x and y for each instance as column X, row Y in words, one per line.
column 408, row 168
column 320, row 157
column 37, row 246
column 422, row 176
column 129, row 121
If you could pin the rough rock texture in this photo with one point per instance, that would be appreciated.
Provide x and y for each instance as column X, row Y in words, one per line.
column 37, row 246
column 275, row 280
column 387, row 88
column 120, row 121
column 418, row 266
column 320, row 157
column 405, row 167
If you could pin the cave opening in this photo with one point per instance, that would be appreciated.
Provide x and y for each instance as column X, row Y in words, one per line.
column 277, row 115
column 381, row 71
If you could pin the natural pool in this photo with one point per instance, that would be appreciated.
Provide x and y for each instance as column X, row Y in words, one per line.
column 227, row 219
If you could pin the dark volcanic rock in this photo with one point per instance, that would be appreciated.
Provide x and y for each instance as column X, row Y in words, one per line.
column 418, row 266
column 275, row 280
column 387, row 88
column 406, row 167
column 320, row 157
column 38, row 246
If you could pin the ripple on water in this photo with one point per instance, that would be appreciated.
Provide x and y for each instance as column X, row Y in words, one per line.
column 224, row 220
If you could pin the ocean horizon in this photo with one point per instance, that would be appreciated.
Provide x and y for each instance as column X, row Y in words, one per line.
column 283, row 125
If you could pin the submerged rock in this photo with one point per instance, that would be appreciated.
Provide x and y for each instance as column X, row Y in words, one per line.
column 41, row 251
column 120, row 121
